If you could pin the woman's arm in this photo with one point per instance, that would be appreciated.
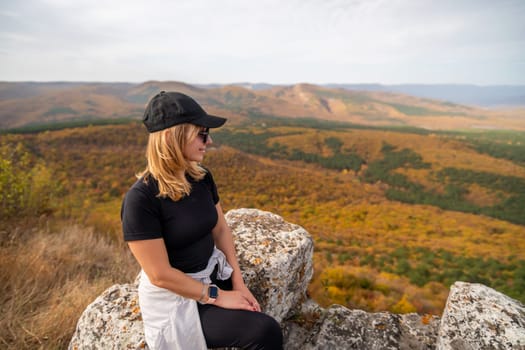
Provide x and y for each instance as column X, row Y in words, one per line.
column 153, row 258
column 224, row 241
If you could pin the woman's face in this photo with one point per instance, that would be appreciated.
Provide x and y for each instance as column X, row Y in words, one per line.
column 195, row 149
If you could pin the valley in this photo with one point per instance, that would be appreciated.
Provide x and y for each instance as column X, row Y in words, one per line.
column 399, row 205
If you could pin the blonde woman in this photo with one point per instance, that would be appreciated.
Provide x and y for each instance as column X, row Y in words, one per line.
column 191, row 292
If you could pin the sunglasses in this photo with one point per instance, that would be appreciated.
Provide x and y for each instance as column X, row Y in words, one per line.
column 204, row 134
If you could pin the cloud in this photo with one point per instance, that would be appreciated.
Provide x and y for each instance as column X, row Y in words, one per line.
column 265, row 40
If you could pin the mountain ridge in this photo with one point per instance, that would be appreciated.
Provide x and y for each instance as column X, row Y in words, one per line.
column 498, row 95
column 23, row 104
column 477, row 95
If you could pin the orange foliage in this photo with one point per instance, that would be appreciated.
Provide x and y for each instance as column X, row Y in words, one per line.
column 351, row 222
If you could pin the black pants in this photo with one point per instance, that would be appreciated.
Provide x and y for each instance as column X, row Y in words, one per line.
column 238, row 328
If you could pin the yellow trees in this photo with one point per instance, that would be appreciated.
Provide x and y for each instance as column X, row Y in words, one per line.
column 370, row 252
column 26, row 185
column 403, row 306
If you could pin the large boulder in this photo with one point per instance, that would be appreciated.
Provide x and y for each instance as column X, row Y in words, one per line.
column 478, row 317
column 276, row 259
column 112, row 321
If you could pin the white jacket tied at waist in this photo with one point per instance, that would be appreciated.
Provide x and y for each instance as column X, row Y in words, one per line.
column 170, row 320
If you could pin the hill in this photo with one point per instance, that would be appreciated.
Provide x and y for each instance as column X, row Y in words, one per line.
column 24, row 105
column 474, row 95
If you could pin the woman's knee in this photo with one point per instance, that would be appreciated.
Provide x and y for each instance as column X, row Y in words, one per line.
column 270, row 334
column 273, row 327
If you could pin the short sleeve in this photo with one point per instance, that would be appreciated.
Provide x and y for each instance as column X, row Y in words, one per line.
column 140, row 214
column 212, row 187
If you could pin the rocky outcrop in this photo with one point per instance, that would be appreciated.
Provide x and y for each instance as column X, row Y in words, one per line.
column 112, row 321
column 340, row 328
column 276, row 258
column 478, row 317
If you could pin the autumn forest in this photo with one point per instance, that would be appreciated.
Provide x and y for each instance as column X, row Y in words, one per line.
column 397, row 212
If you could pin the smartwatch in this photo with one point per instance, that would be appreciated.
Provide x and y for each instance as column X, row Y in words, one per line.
column 213, row 293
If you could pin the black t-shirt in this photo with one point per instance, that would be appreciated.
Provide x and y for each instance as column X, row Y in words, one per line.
column 185, row 225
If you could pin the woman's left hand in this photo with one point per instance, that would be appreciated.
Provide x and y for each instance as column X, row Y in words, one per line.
column 245, row 292
column 223, row 238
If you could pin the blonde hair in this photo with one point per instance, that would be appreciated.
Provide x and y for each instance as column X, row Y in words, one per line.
column 166, row 161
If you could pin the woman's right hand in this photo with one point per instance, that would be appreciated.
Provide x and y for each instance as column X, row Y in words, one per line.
column 233, row 299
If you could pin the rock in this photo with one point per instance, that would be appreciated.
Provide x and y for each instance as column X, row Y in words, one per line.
column 112, row 321
column 478, row 317
column 275, row 256
column 340, row 328
column 300, row 329
column 418, row 332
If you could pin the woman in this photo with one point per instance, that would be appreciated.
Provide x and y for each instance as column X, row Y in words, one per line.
column 191, row 292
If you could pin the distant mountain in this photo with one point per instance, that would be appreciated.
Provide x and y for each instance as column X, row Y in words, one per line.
column 28, row 103
column 246, row 85
column 476, row 95
column 486, row 96
column 24, row 90
column 23, row 104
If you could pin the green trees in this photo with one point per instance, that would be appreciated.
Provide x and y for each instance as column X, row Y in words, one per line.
column 257, row 143
column 455, row 182
column 500, row 144
column 423, row 265
column 381, row 170
column 26, row 184
column 511, row 208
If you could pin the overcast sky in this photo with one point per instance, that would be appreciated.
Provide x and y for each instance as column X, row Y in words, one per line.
column 274, row 41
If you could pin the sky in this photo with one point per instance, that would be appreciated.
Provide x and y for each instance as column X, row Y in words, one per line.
column 479, row 42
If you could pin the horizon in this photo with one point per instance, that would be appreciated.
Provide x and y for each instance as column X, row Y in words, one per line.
column 460, row 42
column 253, row 83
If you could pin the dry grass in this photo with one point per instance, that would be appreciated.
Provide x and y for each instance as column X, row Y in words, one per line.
column 47, row 279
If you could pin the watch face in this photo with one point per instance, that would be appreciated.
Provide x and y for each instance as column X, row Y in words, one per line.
column 213, row 292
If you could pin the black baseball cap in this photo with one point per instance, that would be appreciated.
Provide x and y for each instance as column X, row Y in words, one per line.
column 167, row 109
